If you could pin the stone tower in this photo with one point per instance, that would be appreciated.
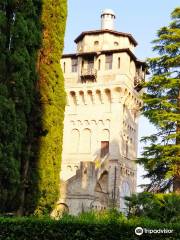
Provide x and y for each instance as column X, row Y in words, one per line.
column 103, row 82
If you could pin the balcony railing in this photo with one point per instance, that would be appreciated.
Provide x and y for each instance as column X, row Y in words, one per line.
column 88, row 74
column 139, row 79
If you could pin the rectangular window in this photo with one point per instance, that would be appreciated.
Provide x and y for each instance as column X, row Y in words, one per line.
column 127, row 149
column 90, row 65
column 74, row 62
column 104, row 148
column 99, row 64
column 109, row 59
column 119, row 62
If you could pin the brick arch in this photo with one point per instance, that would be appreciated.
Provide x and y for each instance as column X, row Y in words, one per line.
column 86, row 122
column 107, row 122
column 63, row 207
column 89, row 97
column 72, row 98
column 117, row 92
column 93, row 122
column 59, row 210
column 98, row 95
column 82, row 97
column 107, row 98
column 107, row 90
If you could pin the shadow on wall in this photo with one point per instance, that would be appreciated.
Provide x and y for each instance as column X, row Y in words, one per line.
column 97, row 184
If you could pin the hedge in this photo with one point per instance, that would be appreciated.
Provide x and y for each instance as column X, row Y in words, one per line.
column 73, row 229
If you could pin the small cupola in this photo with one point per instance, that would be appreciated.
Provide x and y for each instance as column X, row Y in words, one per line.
column 108, row 19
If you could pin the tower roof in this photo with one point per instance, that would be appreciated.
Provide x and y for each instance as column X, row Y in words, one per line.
column 108, row 11
column 96, row 32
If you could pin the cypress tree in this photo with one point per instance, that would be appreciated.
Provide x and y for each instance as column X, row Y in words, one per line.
column 161, row 158
column 51, row 88
column 9, row 165
column 19, row 42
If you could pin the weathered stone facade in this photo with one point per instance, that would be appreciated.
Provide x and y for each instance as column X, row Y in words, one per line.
column 103, row 84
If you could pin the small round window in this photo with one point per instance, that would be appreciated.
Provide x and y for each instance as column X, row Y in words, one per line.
column 116, row 44
column 96, row 43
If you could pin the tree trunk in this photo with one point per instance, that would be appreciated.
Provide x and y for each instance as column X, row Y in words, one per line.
column 25, row 168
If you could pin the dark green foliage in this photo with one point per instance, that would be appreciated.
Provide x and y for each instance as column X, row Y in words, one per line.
column 31, row 111
column 74, row 228
column 19, row 42
column 52, row 93
column 162, row 107
column 164, row 208
column 9, row 165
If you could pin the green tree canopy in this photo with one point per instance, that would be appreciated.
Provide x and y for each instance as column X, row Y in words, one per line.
column 19, row 41
column 32, row 102
column 162, row 207
column 161, row 156
column 52, row 94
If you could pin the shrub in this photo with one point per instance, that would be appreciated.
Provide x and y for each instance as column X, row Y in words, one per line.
column 162, row 207
column 76, row 228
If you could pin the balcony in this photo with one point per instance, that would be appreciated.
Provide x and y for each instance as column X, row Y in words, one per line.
column 139, row 79
column 88, row 75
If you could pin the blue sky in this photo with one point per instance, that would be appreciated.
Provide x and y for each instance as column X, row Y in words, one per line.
column 139, row 17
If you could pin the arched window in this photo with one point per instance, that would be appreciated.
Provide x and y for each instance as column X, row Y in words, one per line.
column 74, row 141
column 125, row 191
column 85, row 142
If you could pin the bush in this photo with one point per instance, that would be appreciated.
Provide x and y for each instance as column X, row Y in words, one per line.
column 79, row 228
column 161, row 207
